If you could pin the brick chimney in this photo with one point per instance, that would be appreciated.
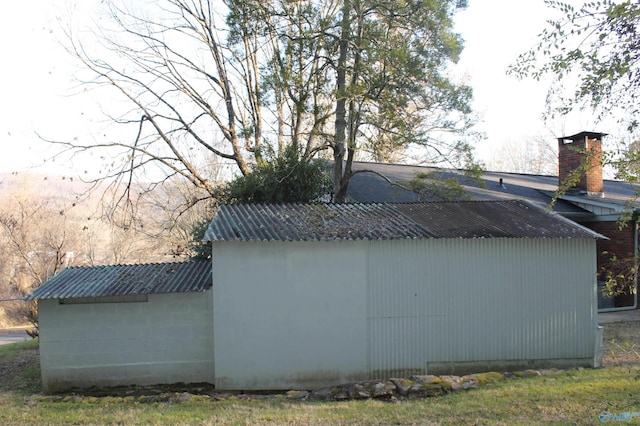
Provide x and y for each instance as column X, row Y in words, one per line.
column 582, row 153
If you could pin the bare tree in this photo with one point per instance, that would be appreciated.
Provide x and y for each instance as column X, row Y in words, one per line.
column 37, row 244
column 45, row 228
column 234, row 79
column 188, row 89
column 534, row 155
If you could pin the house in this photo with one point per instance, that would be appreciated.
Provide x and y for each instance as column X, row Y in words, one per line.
column 302, row 296
column 126, row 324
column 310, row 295
column 591, row 201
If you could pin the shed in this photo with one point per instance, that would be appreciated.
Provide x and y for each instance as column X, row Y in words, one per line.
column 126, row 324
column 310, row 295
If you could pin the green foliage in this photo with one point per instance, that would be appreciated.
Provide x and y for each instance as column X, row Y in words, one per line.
column 357, row 75
column 597, row 42
column 289, row 178
column 436, row 186
column 626, row 161
column 431, row 187
column 397, row 89
column 618, row 274
column 283, row 179
column 489, row 377
column 198, row 248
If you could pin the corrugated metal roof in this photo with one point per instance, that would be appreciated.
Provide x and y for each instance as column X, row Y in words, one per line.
column 379, row 221
column 320, row 221
column 497, row 219
column 118, row 280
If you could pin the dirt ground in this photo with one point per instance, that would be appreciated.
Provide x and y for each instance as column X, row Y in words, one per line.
column 19, row 370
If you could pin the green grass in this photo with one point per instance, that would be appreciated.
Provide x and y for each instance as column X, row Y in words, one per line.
column 572, row 397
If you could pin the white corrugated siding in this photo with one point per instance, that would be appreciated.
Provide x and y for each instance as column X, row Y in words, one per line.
column 446, row 301
column 312, row 314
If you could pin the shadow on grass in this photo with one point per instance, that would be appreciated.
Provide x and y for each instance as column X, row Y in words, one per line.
column 20, row 368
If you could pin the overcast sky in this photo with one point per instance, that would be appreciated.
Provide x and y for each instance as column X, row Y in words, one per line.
column 38, row 93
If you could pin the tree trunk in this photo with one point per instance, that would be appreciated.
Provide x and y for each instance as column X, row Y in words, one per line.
column 339, row 195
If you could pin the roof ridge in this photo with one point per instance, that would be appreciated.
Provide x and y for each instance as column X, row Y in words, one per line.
column 111, row 265
column 389, row 220
column 117, row 280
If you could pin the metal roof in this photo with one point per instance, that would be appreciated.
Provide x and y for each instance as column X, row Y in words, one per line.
column 119, row 280
column 320, row 221
column 493, row 219
column 538, row 189
column 582, row 135
column 380, row 221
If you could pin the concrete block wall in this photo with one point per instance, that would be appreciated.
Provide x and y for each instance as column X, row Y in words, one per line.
column 168, row 339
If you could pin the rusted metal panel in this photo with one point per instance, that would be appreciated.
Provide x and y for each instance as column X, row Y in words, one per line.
column 117, row 280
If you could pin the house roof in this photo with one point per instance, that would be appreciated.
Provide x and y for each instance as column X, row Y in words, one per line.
column 582, row 135
column 381, row 221
column 537, row 189
column 119, row 280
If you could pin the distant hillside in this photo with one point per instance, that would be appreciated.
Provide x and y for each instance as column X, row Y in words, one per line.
column 97, row 240
column 45, row 185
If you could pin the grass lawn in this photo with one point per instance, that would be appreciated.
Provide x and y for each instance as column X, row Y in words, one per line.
column 571, row 397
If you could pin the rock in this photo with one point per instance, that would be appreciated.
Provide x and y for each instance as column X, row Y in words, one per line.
column 381, row 390
column 453, row 383
column 339, row 393
column 430, row 389
column 417, row 389
column 526, row 373
column 296, row 395
column 351, row 390
column 323, row 394
column 181, row 397
column 403, row 386
column 221, row 396
column 490, row 377
column 360, row 392
column 468, row 382
column 469, row 385
column 550, row 372
column 422, row 379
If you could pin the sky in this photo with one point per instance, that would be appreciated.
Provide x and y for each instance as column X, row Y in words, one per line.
column 41, row 97
column 495, row 33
